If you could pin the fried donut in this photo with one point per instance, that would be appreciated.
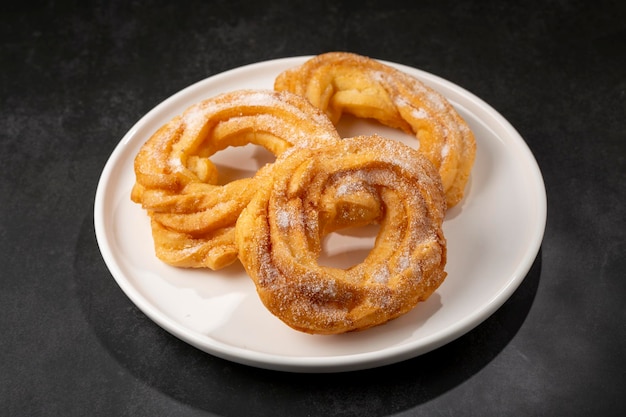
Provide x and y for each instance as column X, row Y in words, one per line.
column 339, row 82
column 280, row 233
column 192, row 216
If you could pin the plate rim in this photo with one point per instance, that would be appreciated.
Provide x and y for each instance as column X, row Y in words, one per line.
column 337, row 363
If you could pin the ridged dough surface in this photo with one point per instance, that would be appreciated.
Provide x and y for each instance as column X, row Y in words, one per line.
column 341, row 82
column 192, row 215
column 280, row 234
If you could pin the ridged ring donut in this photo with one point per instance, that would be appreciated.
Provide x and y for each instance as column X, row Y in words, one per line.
column 341, row 82
column 280, row 235
column 192, row 216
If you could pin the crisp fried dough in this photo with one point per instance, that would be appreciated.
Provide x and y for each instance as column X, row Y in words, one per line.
column 339, row 82
column 192, row 216
column 279, row 234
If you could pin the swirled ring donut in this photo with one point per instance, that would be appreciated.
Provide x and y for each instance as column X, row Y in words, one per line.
column 280, row 235
column 341, row 82
column 192, row 216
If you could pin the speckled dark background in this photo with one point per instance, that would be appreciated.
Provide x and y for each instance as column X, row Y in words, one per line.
column 75, row 76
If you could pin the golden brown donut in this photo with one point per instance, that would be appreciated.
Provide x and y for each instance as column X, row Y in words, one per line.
column 192, row 216
column 279, row 235
column 340, row 82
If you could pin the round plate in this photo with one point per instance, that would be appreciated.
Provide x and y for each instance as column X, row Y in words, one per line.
column 493, row 236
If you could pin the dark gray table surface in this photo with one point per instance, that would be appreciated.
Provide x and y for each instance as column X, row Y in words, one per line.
column 75, row 77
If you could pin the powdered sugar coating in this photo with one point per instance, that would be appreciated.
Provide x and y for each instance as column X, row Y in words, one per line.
column 405, row 266
column 177, row 182
column 339, row 82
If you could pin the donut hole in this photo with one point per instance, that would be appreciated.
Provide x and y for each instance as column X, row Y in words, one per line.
column 348, row 247
column 238, row 162
column 350, row 126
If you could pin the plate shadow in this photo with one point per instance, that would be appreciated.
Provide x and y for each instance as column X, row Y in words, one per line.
column 208, row 383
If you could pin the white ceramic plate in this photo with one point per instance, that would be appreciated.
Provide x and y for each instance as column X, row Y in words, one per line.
column 493, row 237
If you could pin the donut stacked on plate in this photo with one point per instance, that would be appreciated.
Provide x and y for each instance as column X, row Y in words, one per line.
column 274, row 222
column 192, row 217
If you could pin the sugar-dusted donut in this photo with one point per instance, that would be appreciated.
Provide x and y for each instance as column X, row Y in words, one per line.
column 192, row 216
column 280, row 233
column 341, row 82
